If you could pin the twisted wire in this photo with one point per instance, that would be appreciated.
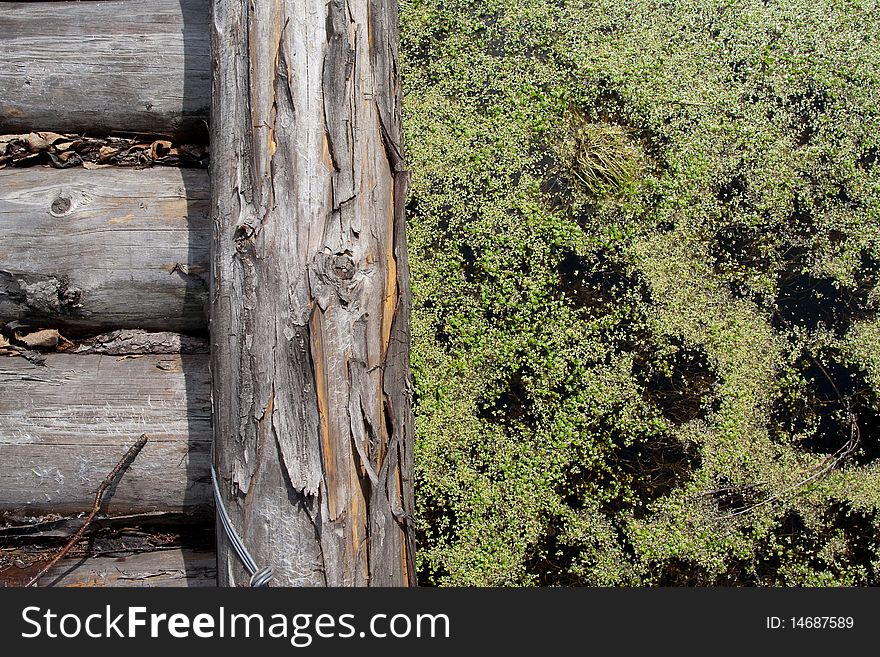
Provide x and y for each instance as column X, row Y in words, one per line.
column 259, row 576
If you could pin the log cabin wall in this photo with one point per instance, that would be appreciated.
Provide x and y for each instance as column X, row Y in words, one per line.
column 104, row 243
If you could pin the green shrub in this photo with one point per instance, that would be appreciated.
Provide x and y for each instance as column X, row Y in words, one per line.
column 645, row 252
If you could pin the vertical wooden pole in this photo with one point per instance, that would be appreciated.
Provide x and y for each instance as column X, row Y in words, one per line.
column 310, row 294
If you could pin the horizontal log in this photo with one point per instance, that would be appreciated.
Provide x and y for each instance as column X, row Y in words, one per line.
column 177, row 567
column 114, row 66
column 64, row 426
column 93, row 250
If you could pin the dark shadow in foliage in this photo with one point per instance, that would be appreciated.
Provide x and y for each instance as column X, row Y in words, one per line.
column 733, row 192
column 730, row 499
column 738, row 250
column 804, row 545
column 427, row 576
column 603, row 283
column 441, row 233
column 738, row 572
column 800, row 224
column 512, row 406
column 441, row 334
column 683, row 572
column 654, row 466
column 798, row 112
column 679, row 388
column 468, row 261
column 790, row 531
column 806, row 109
column 438, row 514
column 868, row 158
column 419, row 49
column 555, row 186
column 821, row 407
column 762, row 568
column 860, row 534
column 595, row 282
column 647, row 467
column 810, row 301
column 551, row 560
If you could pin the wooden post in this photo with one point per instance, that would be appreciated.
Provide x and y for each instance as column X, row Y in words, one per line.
column 310, row 293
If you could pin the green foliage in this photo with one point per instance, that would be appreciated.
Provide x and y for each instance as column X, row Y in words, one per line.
column 645, row 262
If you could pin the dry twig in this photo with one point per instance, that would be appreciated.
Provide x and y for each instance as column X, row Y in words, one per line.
column 124, row 462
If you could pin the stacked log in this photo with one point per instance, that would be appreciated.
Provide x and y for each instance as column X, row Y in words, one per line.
column 114, row 262
column 68, row 421
column 158, row 568
column 117, row 66
column 103, row 249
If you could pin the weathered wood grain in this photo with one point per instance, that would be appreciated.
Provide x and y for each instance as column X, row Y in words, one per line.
column 175, row 567
column 310, row 292
column 102, row 67
column 91, row 250
column 64, row 425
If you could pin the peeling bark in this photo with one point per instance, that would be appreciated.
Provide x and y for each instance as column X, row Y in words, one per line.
column 136, row 342
column 310, row 292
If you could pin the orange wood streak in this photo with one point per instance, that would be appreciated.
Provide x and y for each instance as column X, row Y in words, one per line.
column 358, row 523
column 389, row 301
column 404, row 563
column 326, row 157
column 328, row 454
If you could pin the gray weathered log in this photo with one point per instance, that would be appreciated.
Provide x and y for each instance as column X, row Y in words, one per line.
column 104, row 249
column 174, row 567
column 102, row 67
column 64, row 425
column 310, row 292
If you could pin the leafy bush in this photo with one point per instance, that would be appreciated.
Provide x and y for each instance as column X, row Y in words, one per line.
column 645, row 257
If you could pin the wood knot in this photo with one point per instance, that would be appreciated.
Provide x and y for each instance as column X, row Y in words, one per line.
column 343, row 266
column 243, row 237
column 335, row 275
column 60, row 206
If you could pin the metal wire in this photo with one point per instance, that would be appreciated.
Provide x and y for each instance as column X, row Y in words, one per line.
column 259, row 576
